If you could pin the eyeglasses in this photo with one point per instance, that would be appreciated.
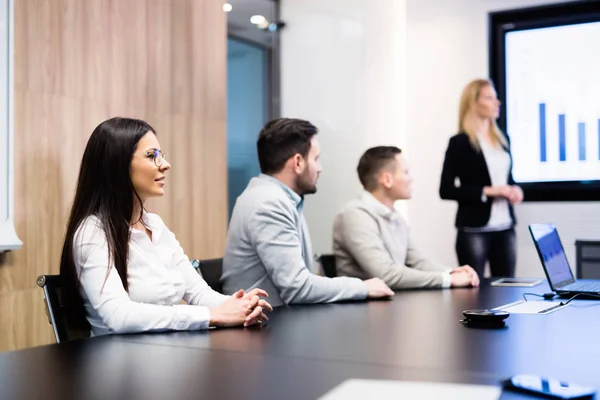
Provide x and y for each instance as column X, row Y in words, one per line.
column 158, row 156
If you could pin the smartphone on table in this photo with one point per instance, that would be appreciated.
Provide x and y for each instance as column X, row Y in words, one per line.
column 548, row 388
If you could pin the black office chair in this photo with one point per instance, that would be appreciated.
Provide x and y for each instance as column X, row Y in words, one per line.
column 63, row 330
column 211, row 271
column 328, row 263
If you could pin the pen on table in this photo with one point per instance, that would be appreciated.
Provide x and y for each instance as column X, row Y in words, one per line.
column 552, row 308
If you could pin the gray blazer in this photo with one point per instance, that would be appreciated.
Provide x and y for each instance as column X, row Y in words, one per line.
column 268, row 246
column 369, row 240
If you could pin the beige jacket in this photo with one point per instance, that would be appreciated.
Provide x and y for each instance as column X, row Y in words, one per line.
column 370, row 240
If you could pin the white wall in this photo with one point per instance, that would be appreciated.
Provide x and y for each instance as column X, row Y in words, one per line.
column 343, row 68
column 8, row 236
column 391, row 72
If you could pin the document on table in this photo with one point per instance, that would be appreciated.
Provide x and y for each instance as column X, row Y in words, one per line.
column 531, row 307
column 380, row 389
column 524, row 282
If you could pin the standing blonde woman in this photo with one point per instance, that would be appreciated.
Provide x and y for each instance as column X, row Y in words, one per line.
column 477, row 174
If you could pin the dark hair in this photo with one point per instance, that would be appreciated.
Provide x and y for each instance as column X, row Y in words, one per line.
column 104, row 189
column 281, row 139
column 372, row 162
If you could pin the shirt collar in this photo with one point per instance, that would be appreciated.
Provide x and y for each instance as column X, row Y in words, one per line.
column 295, row 197
column 379, row 207
column 151, row 224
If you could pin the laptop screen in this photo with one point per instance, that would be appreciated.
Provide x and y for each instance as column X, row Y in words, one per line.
column 552, row 255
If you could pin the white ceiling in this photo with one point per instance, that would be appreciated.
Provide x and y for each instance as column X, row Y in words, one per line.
column 238, row 19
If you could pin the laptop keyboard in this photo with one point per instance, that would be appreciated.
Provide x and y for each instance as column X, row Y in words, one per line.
column 585, row 287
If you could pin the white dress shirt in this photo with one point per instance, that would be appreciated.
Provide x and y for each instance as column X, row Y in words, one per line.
column 498, row 163
column 159, row 277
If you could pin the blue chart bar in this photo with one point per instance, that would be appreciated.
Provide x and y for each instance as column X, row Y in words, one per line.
column 562, row 138
column 581, row 130
column 543, row 132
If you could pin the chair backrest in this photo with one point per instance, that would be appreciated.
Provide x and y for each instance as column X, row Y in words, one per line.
column 211, row 271
column 55, row 309
column 328, row 264
column 587, row 259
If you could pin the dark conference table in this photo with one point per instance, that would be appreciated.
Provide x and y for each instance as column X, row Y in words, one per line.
column 305, row 351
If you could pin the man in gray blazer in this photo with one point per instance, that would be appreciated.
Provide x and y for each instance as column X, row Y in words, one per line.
column 268, row 245
column 371, row 239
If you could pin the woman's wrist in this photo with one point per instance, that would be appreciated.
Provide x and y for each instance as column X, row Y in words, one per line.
column 215, row 319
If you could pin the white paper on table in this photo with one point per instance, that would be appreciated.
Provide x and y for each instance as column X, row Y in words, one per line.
column 531, row 307
column 380, row 389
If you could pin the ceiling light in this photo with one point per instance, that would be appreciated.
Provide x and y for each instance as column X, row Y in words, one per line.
column 257, row 19
column 227, row 7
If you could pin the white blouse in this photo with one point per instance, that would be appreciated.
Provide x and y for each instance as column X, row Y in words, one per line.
column 159, row 275
column 498, row 163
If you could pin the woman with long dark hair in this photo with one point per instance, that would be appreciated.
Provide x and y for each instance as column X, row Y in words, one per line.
column 122, row 269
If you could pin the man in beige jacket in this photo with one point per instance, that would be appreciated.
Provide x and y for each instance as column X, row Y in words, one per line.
column 371, row 239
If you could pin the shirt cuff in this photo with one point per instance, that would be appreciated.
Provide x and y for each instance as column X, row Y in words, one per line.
column 446, row 280
column 190, row 317
column 484, row 198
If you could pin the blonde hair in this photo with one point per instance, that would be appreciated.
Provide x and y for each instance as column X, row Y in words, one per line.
column 469, row 97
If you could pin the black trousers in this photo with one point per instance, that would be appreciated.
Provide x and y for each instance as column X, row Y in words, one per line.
column 477, row 248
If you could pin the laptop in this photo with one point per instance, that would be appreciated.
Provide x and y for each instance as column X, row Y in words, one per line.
column 555, row 263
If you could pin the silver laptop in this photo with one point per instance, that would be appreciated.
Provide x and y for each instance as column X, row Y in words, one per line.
column 555, row 263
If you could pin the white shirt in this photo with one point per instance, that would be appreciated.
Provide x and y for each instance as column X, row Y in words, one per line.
column 498, row 164
column 159, row 277
column 395, row 219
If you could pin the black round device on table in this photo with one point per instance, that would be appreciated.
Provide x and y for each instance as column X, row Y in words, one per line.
column 484, row 318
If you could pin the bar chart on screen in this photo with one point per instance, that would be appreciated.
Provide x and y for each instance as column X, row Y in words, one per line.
column 581, row 134
column 553, row 108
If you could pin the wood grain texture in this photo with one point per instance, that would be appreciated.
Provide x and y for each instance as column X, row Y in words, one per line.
column 79, row 62
column 24, row 332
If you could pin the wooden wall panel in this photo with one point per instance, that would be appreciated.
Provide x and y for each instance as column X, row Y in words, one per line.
column 79, row 62
column 24, row 332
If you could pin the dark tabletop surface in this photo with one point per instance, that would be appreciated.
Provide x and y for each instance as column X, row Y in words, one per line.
column 305, row 351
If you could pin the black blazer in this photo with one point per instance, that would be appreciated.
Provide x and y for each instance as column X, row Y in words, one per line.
column 464, row 162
